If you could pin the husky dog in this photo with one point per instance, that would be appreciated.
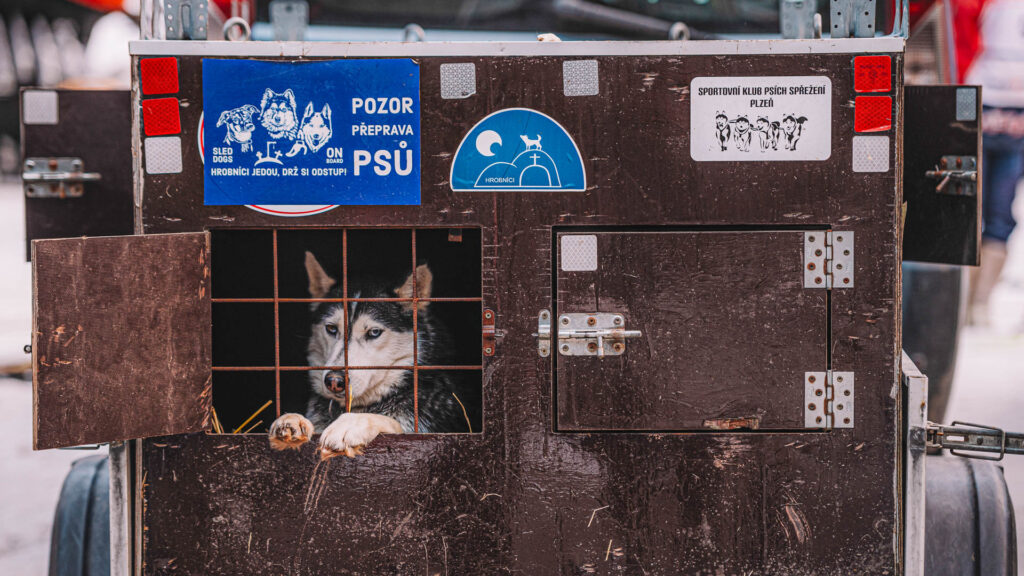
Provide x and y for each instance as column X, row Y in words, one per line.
column 722, row 130
column 743, row 135
column 277, row 114
column 240, row 126
column 380, row 334
column 315, row 130
column 792, row 129
column 768, row 132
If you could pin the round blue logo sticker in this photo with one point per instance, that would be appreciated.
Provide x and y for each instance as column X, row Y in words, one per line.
column 518, row 150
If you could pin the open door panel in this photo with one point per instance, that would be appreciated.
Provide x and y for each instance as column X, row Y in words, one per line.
column 942, row 136
column 95, row 128
column 121, row 338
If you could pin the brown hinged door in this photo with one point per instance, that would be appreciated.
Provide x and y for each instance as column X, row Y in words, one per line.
column 727, row 330
column 94, row 126
column 942, row 135
column 121, row 338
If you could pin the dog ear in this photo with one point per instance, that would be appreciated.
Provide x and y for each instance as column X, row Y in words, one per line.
column 320, row 283
column 326, row 112
column 424, row 283
column 223, row 118
column 267, row 95
column 291, row 97
column 308, row 112
column 250, row 109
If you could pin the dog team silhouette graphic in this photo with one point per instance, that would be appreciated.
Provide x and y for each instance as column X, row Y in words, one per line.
column 762, row 134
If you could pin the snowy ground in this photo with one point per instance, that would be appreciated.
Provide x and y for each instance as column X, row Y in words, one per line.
column 989, row 389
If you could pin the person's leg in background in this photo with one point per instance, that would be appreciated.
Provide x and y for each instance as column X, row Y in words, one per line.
column 1002, row 167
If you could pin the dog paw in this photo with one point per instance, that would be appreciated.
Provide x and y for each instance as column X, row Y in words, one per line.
column 290, row 431
column 352, row 431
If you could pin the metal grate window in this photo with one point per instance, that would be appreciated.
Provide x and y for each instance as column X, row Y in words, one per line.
column 259, row 315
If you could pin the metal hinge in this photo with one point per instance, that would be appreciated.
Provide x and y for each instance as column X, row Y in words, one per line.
column 584, row 334
column 828, row 259
column 55, row 177
column 828, row 399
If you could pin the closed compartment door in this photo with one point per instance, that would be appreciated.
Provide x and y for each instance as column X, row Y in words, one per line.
column 703, row 330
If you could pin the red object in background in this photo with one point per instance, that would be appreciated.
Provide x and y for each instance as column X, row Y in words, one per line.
column 101, row 5
column 160, row 116
column 966, row 37
column 872, row 74
column 872, row 113
column 159, row 75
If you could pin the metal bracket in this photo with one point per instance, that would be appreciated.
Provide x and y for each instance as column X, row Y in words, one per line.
column 56, row 177
column 828, row 259
column 488, row 331
column 593, row 334
column 544, row 334
column 796, row 18
column 828, row 399
column 185, row 19
column 852, row 18
column 289, row 19
column 963, row 436
column 957, row 175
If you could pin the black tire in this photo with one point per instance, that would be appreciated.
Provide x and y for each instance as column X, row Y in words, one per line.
column 969, row 523
column 932, row 316
column 80, row 542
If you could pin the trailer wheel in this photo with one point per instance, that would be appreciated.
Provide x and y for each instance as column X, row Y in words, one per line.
column 80, row 541
column 969, row 522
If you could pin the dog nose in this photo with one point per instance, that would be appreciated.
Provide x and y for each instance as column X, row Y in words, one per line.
column 335, row 381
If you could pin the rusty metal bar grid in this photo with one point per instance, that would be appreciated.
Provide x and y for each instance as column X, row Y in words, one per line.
column 277, row 368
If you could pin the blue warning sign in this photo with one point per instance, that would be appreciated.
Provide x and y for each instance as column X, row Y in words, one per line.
column 518, row 150
column 300, row 133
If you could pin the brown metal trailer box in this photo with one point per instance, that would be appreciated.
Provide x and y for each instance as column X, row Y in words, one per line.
column 685, row 330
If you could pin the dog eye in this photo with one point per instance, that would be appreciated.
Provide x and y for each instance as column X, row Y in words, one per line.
column 332, row 329
column 373, row 333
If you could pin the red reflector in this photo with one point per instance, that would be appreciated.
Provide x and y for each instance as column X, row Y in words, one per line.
column 160, row 116
column 872, row 74
column 159, row 75
column 872, row 114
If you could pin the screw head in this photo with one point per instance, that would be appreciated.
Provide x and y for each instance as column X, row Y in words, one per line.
column 811, row 379
column 591, row 321
column 618, row 320
column 565, row 320
column 592, row 347
column 811, row 266
column 488, row 350
column 565, row 348
column 818, row 392
column 812, row 406
column 617, row 347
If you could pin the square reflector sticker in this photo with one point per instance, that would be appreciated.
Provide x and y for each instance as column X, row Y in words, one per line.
column 159, row 75
column 872, row 114
column 160, row 117
column 872, row 74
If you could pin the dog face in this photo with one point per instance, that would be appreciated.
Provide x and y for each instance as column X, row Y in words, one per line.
column 239, row 123
column 379, row 334
column 316, row 127
column 277, row 113
column 742, row 125
column 789, row 125
column 720, row 121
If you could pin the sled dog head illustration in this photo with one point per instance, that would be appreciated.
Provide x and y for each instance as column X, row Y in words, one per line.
column 316, row 129
column 277, row 114
column 239, row 125
column 722, row 130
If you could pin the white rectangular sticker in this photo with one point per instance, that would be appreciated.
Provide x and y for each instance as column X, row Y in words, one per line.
column 759, row 118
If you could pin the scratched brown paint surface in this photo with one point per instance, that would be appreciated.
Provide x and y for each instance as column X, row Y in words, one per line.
column 522, row 499
column 115, row 347
column 105, row 207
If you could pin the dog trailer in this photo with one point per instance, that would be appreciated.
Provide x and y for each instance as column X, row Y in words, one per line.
column 670, row 270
